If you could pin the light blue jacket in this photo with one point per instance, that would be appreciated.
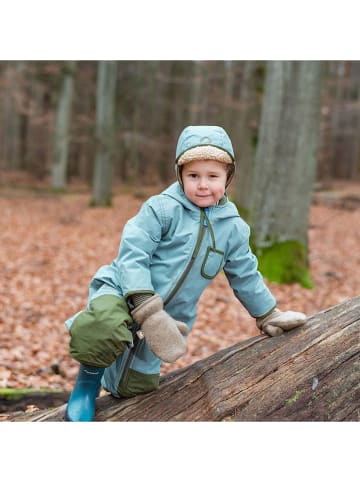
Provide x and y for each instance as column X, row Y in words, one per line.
column 172, row 248
column 158, row 246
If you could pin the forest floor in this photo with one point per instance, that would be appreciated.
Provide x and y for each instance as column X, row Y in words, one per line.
column 52, row 244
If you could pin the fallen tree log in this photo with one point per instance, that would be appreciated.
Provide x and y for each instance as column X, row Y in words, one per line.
column 311, row 373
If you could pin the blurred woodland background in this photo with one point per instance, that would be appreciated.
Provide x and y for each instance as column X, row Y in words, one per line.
column 108, row 124
column 79, row 134
column 51, row 113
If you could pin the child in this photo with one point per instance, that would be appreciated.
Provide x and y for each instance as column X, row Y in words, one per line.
column 142, row 306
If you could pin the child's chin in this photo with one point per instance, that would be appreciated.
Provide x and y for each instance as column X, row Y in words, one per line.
column 203, row 204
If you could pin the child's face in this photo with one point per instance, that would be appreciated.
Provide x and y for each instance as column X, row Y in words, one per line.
column 204, row 182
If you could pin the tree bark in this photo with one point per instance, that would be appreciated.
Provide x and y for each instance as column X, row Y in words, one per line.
column 105, row 122
column 244, row 138
column 198, row 101
column 9, row 116
column 62, row 127
column 311, row 373
column 285, row 168
column 229, row 81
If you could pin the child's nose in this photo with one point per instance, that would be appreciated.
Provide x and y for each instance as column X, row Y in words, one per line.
column 202, row 183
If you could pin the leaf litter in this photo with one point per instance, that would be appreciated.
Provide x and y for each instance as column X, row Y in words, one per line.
column 51, row 245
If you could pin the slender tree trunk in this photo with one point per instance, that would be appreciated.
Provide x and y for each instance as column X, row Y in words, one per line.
column 355, row 165
column 62, row 128
column 105, row 121
column 34, row 150
column 181, row 100
column 196, row 102
column 10, row 122
column 165, row 168
column 137, row 132
column 18, row 118
column 336, row 134
column 245, row 145
column 229, row 79
column 285, row 168
column 4, row 114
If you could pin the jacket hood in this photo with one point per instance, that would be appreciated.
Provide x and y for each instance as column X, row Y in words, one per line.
column 195, row 136
column 176, row 192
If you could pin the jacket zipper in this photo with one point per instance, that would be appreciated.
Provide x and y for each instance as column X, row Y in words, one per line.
column 192, row 260
column 132, row 352
column 134, row 349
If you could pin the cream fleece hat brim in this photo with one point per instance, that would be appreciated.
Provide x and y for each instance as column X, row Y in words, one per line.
column 206, row 153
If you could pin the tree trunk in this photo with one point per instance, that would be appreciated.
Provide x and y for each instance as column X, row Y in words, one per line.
column 198, row 101
column 62, row 128
column 355, row 131
column 228, row 98
column 164, row 167
column 244, row 138
column 134, row 151
column 105, row 121
column 36, row 149
column 10, row 119
column 311, row 373
column 285, row 168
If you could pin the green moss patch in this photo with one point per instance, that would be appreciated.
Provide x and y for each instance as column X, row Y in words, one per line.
column 17, row 393
column 285, row 262
column 294, row 398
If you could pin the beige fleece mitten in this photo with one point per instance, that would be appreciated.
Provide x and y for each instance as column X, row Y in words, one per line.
column 275, row 323
column 163, row 334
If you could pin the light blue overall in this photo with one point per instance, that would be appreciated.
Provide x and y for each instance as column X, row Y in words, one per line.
column 175, row 249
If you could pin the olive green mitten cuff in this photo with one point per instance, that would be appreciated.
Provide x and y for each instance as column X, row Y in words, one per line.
column 275, row 323
column 163, row 334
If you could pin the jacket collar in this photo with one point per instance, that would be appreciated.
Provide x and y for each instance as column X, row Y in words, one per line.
column 223, row 209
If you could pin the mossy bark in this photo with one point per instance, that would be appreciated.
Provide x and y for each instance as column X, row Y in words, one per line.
column 13, row 399
column 285, row 262
column 16, row 393
column 284, row 171
column 281, row 262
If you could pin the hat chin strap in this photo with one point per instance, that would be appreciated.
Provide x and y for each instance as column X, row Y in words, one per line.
column 177, row 174
column 231, row 177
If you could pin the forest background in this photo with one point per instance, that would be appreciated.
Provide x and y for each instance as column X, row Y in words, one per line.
column 138, row 30
column 80, row 134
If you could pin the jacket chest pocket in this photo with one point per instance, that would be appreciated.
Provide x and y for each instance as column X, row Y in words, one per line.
column 212, row 263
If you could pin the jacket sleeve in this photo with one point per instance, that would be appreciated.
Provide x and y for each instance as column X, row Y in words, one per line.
column 140, row 238
column 241, row 270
